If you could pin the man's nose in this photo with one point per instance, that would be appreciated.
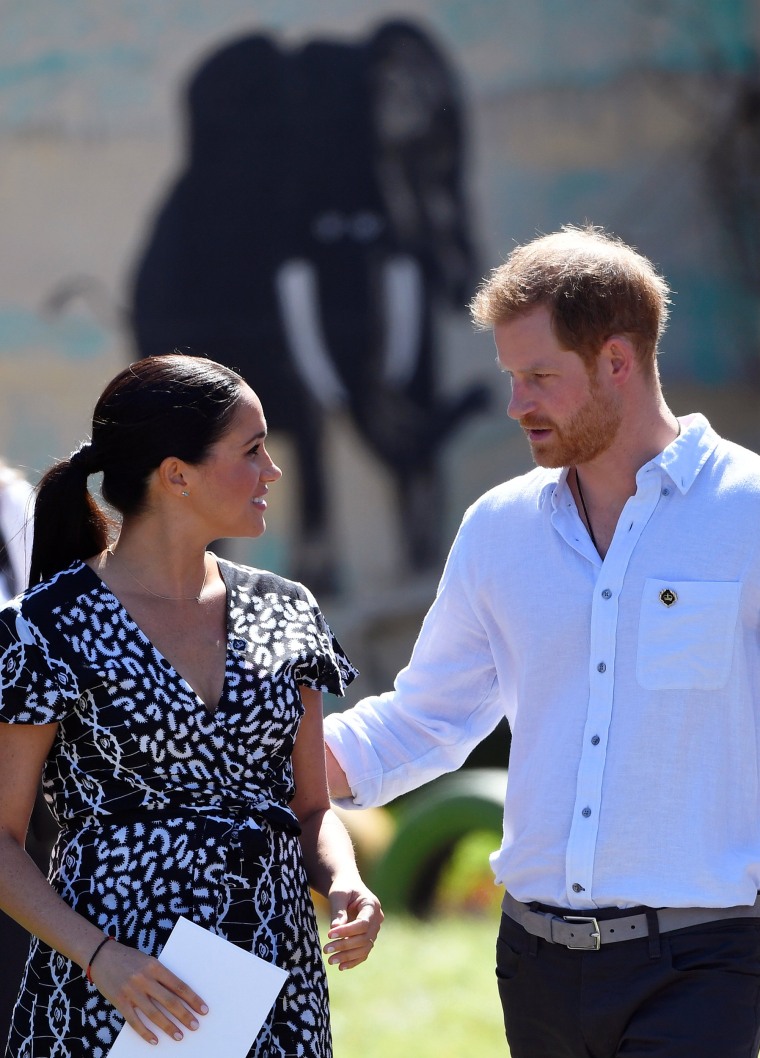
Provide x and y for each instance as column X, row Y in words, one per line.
column 519, row 403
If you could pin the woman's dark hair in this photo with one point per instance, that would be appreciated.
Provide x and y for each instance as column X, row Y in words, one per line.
column 172, row 405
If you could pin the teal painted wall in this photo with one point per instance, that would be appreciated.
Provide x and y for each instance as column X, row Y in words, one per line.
column 578, row 109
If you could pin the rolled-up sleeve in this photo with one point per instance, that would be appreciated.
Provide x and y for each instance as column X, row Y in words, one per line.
column 443, row 703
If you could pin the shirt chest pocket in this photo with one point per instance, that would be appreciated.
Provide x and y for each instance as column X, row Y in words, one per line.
column 686, row 634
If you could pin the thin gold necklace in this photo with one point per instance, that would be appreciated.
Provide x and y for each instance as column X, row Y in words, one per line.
column 585, row 510
column 166, row 598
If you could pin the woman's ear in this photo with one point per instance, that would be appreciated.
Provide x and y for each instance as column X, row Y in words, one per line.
column 172, row 476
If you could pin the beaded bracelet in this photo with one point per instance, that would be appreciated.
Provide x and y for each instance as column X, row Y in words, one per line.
column 102, row 944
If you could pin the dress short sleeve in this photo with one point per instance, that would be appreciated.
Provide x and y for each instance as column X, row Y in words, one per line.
column 277, row 625
column 327, row 667
column 36, row 687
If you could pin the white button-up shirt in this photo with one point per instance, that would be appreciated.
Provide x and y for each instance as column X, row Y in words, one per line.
column 631, row 685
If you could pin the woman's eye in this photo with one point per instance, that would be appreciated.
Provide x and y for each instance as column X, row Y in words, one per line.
column 254, row 451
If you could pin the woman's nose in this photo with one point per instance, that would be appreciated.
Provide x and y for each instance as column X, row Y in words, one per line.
column 272, row 472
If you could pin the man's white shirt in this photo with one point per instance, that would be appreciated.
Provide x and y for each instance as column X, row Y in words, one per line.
column 631, row 685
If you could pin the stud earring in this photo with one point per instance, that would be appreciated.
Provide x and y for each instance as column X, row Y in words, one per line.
column 185, row 492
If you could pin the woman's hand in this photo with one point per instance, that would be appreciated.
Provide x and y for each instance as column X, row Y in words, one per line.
column 355, row 913
column 143, row 991
column 355, row 920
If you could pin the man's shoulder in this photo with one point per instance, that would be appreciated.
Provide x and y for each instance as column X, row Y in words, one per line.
column 737, row 466
column 525, row 492
column 715, row 465
column 509, row 517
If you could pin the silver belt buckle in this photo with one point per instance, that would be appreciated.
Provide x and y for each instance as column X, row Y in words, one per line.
column 596, row 936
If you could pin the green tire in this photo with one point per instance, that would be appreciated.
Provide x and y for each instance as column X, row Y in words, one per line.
column 432, row 821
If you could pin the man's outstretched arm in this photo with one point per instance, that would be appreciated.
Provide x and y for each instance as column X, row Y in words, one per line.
column 336, row 777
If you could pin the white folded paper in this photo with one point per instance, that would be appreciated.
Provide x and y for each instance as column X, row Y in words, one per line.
column 239, row 989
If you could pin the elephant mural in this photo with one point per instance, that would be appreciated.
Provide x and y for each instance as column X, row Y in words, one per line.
column 319, row 224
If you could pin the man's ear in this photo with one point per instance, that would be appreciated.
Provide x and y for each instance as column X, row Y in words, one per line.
column 618, row 356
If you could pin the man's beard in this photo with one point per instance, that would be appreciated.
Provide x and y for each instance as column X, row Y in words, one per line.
column 586, row 435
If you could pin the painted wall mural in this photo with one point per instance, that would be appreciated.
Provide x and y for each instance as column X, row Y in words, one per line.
column 318, row 224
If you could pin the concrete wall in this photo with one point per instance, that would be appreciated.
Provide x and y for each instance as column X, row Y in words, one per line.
column 604, row 110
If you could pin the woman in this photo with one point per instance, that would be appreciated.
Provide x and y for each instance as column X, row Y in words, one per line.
column 173, row 701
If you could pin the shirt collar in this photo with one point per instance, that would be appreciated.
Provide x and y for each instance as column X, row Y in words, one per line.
column 552, row 489
column 683, row 459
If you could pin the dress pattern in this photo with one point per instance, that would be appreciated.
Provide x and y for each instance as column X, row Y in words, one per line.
column 165, row 808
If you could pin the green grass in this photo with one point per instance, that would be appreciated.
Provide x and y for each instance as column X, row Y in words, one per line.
column 427, row 991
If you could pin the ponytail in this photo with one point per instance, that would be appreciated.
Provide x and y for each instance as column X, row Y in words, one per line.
column 68, row 523
column 170, row 405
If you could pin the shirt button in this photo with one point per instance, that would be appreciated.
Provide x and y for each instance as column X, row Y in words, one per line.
column 601, row 667
column 586, row 813
column 595, row 740
column 578, row 888
column 666, row 491
column 606, row 594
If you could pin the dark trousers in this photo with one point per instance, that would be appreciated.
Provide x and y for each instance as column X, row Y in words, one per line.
column 699, row 997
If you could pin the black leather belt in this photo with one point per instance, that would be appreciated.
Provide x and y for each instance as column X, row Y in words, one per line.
column 589, row 932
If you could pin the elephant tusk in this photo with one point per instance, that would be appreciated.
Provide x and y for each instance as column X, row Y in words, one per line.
column 402, row 292
column 296, row 283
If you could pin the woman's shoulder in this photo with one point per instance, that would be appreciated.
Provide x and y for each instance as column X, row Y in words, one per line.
column 30, row 617
column 49, row 596
column 261, row 582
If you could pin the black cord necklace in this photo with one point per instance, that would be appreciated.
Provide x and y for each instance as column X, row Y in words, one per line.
column 585, row 511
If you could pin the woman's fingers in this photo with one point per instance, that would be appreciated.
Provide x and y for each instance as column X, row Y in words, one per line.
column 147, row 994
column 351, row 942
column 183, row 1001
column 145, row 1021
column 349, row 950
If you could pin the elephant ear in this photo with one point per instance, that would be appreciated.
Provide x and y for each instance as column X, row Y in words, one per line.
column 732, row 161
column 416, row 113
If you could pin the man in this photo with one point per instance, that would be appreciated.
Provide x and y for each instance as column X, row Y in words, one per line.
column 607, row 604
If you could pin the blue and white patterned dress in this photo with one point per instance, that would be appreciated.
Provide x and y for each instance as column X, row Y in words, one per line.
column 166, row 809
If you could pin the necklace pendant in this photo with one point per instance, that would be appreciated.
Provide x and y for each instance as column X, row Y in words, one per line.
column 585, row 512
